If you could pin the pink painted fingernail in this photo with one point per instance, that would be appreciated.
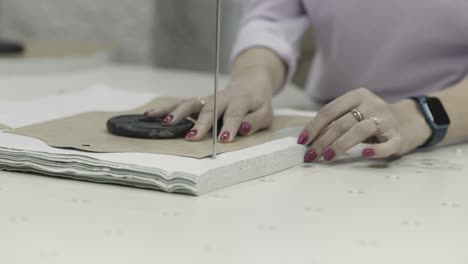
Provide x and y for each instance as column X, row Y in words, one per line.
column 225, row 136
column 368, row 152
column 168, row 119
column 192, row 133
column 245, row 128
column 310, row 156
column 303, row 138
column 329, row 154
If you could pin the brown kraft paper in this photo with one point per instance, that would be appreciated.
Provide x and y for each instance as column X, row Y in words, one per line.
column 88, row 132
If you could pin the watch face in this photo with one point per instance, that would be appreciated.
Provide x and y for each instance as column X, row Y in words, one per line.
column 438, row 111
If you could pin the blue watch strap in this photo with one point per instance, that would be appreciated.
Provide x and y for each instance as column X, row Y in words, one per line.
column 439, row 130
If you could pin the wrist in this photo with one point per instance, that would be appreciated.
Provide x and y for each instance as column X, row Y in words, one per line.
column 412, row 123
column 261, row 66
column 256, row 79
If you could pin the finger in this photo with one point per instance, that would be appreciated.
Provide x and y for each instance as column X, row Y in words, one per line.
column 332, row 111
column 182, row 111
column 235, row 113
column 356, row 135
column 205, row 119
column 383, row 150
column 255, row 121
column 329, row 135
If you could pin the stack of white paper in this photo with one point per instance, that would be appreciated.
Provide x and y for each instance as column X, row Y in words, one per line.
column 155, row 171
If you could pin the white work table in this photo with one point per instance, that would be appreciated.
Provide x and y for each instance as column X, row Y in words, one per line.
column 354, row 213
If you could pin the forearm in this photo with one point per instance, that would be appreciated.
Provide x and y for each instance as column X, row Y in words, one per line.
column 261, row 64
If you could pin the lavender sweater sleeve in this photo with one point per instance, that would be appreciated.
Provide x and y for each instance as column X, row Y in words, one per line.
column 395, row 48
column 274, row 24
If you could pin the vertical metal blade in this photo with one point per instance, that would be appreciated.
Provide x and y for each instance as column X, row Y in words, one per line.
column 216, row 78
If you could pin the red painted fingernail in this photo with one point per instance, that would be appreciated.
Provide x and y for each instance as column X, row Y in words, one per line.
column 329, row 154
column 310, row 156
column 245, row 128
column 192, row 133
column 303, row 138
column 225, row 136
column 368, row 152
column 168, row 119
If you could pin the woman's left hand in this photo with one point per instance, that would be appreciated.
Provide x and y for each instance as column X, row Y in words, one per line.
column 359, row 115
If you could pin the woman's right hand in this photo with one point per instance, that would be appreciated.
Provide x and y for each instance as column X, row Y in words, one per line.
column 245, row 104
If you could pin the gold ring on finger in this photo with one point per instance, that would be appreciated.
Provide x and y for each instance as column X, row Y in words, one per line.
column 377, row 123
column 202, row 102
column 357, row 114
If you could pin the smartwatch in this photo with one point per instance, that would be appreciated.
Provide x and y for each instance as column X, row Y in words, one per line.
column 436, row 117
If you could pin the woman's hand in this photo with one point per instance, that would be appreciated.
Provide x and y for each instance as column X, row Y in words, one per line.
column 359, row 115
column 246, row 106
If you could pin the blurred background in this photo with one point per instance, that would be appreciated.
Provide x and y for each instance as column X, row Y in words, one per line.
column 164, row 33
column 150, row 32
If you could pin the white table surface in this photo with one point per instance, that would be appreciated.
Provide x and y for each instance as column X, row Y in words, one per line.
column 414, row 212
column 44, row 57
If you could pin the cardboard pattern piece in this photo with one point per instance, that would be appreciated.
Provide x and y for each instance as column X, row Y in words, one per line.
column 88, row 132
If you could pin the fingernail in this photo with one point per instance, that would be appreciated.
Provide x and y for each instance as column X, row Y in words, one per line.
column 303, row 138
column 146, row 113
column 192, row 133
column 310, row 156
column 168, row 119
column 329, row 154
column 245, row 128
column 368, row 152
column 225, row 136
